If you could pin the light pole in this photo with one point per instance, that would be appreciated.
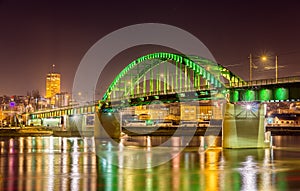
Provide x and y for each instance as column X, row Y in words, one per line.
column 276, row 68
column 251, row 66
column 265, row 58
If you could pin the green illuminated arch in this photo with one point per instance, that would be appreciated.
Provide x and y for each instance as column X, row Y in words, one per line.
column 205, row 68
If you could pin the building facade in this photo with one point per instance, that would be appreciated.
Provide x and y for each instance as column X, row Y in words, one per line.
column 62, row 99
column 52, row 86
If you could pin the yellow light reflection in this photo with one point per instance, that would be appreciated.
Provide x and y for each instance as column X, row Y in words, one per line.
column 176, row 172
column 211, row 169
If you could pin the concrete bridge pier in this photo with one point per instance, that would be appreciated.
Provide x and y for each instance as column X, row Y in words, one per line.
column 107, row 125
column 244, row 126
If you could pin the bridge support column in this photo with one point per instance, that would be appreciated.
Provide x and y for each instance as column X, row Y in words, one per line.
column 244, row 126
column 107, row 126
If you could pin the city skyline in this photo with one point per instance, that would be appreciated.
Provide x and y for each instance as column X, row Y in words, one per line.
column 35, row 35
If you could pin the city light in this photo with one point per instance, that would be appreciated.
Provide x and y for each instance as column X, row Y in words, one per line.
column 248, row 107
column 264, row 58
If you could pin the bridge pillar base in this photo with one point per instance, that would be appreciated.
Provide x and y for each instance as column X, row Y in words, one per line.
column 107, row 126
column 244, row 127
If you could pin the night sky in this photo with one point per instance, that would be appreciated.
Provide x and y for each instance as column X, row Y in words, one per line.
column 36, row 34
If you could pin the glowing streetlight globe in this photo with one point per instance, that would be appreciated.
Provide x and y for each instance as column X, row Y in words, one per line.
column 264, row 58
column 248, row 107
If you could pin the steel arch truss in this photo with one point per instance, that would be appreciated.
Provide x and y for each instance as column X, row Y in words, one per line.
column 187, row 67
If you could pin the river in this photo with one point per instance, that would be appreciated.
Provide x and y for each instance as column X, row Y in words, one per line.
column 75, row 163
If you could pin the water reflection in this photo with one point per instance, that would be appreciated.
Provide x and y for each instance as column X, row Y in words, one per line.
column 193, row 169
column 46, row 163
column 55, row 163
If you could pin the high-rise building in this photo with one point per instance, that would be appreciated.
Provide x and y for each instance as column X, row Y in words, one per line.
column 52, row 85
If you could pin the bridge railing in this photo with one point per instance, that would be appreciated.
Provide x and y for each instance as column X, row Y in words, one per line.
column 262, row 82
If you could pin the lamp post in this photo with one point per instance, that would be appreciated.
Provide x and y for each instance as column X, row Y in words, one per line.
column 276, row 68
column 250, row 67
column 265, row 58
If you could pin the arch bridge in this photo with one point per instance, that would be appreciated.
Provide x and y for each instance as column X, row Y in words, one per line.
column 164, row 76
column 172, row 78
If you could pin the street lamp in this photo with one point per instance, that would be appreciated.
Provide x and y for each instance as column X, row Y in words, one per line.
column 265, row 58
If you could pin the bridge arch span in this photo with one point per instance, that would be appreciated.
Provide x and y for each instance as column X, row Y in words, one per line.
column 215, row 74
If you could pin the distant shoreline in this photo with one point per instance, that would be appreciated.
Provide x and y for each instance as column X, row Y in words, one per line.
column 136, row 131
column 24, row 132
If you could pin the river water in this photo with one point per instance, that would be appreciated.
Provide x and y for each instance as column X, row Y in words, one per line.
column 60, row 163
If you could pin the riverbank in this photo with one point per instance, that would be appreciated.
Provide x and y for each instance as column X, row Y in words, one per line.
column 135, row 131
column 73, row 134
column 24, row 132
column 201, row 131
column 41, row 131
column 284, row 130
